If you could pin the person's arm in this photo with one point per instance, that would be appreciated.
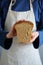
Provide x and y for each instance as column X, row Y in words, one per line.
column 41, row 25
column 4, row 41
column 38, row 16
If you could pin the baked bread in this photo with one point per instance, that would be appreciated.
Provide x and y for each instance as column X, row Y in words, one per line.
column 24, row 29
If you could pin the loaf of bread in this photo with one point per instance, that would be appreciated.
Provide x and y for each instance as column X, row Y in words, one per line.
column 24, row 29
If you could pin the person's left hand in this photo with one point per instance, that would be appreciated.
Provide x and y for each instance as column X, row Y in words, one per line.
column 34, row 35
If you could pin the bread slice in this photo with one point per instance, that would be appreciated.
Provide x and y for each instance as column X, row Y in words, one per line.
column 24, row 29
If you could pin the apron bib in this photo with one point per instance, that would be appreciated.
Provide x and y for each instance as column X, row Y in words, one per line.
column 20, row 54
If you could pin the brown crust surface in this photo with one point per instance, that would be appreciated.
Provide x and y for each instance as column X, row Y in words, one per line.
column 24, row 21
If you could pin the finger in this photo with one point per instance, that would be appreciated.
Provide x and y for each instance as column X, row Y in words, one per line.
column 35, row 33
column 34, row 37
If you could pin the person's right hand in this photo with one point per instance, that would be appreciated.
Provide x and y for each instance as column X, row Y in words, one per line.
column 12, row 32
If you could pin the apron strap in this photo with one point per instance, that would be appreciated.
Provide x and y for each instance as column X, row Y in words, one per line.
column 12, row 3
column 31, row 7
column 30, row 4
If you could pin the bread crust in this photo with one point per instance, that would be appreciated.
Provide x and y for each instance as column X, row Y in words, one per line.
column 22, row 30
column 24, row 21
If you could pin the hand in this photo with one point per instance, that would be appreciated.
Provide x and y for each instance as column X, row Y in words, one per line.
column 34, row 35
column 12, row 32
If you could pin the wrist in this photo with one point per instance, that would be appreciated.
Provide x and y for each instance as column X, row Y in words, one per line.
column 8, row 36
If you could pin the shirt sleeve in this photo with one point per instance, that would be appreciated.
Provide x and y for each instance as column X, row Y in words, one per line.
column 4, row 42
column 40, row 30
column 38, row 11
column 8, row 43
column 41, row 26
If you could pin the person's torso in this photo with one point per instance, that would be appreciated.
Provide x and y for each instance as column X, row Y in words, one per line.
column 20, row 53
column 16, row 16
column 4, row 5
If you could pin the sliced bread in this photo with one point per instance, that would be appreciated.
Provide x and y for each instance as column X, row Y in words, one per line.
column 24, row 29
